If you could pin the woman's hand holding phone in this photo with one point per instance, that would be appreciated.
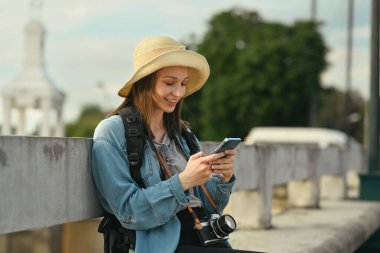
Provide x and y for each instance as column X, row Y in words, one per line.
column 200, row 166
column 198, row 169
column 225, row 165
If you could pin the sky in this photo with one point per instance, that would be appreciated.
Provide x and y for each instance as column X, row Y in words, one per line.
column 89, row 43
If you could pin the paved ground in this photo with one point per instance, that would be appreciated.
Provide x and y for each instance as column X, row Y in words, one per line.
column 338, row 226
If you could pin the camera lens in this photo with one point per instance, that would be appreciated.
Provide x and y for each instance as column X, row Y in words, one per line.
column 224, row 225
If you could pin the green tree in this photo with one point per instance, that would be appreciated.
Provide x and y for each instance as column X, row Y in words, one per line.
column 262, row 74
column 337, row 111
column 85, row 125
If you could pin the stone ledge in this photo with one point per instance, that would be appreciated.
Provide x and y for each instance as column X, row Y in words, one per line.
column 338, row 226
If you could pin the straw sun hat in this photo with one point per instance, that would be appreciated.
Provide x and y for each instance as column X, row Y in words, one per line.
column 158, row 52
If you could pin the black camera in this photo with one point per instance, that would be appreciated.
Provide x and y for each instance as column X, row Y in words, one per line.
column 216, row 228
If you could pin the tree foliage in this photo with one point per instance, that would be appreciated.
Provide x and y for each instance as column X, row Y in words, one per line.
column 262, row 74
column 85, row 125
column 338, row 111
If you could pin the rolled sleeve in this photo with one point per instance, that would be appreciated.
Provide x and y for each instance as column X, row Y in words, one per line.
column 226, row 187
column 176, row 188
column 220, row 193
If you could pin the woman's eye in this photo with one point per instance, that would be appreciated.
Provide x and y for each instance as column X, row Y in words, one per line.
column 183, row 84
column 169, row 84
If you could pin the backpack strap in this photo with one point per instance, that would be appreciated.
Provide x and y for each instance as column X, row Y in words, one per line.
column 135, row 135
column 118, row 239
column 191, row 141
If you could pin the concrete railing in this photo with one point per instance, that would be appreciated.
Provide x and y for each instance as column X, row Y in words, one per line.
column 261, row 167
column 44, row 182
column 47, row 181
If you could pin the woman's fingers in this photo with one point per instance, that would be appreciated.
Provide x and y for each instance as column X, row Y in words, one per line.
column 226, row 160
column 200, row 168
column 210, row 158
column 225, row 166
column 197, row 156
column 230, row 152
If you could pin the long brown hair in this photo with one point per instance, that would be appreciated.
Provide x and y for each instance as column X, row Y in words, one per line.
column 141, row 98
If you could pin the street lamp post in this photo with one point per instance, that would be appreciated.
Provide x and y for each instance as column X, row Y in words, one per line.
column 370, row 182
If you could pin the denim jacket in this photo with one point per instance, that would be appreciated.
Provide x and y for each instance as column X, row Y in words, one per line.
column 150, row 211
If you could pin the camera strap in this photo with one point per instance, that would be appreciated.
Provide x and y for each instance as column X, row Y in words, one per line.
column 197, row 222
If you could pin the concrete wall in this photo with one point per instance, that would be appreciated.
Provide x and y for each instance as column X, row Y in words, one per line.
column 44, row 240
column 45, row 181
column 82, row 237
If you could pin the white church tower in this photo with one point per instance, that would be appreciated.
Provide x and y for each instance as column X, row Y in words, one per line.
column 32, row 88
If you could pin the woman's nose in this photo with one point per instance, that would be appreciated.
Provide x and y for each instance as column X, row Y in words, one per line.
column 179, row 91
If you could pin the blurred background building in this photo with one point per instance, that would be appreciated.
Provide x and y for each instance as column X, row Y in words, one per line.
column 32, row 88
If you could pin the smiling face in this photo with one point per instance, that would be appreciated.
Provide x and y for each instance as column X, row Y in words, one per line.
column 169, row 88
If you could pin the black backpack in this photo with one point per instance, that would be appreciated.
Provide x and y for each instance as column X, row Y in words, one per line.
column 118, row 239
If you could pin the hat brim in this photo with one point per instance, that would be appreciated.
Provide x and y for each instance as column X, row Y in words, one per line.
column 199, row 69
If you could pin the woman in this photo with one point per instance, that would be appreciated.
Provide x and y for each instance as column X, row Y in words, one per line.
column 165, row 73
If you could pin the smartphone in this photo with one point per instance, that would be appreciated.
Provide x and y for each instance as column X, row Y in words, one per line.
column 227, row 143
